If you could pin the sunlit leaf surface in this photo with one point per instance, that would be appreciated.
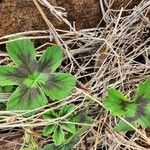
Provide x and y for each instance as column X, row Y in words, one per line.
column 136, row 112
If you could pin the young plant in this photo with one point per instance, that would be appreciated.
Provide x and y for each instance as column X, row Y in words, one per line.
column 67, row 146
column 36, row 79
column 136, row 111
column 63, row 131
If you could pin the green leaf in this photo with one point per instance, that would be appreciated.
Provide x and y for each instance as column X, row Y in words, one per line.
column 35, row 78
column 116, row 102
column 51, row 58
column 58, row 136
column 49, row 129
column 69, row 143
column 59, row 85
column 142, row 102
column 68, row 146
column 137, row 112
column 8, row 88
column 69, row 127
column 66, row 109
column 143, row 90
column 25, row 98
column 50, row 115
column 50, row 147
column 122, row 126
column 21, row 51
column 144, row 121
column 6, row 77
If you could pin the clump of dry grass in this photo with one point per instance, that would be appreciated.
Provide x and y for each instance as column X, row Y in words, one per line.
column 115, row 55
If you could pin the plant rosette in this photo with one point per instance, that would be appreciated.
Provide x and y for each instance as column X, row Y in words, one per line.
column 35, row 79
column 58, row 129
column 67, row 129
column 136, row 111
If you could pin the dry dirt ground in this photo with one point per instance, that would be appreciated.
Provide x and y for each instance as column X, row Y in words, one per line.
column 22, row 15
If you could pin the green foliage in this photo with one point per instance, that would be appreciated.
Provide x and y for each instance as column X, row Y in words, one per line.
column 74, row 139
column 8, row 88
column 116, row 102
column 62, row 131
column 136, row 111
column 67, row 146
column 35, row 79
column 58, row 130
column 32, row 82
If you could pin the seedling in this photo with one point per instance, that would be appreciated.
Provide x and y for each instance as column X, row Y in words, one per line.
column 35, row 79
column 67, row 146
column 62, row 132
column 135, row 111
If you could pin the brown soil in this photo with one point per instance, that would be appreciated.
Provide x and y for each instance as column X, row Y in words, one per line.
column 22, row 15
column 11, row 142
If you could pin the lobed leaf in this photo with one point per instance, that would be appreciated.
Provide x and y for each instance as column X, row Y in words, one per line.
column 66, row 109
column 58, row 136
column 6, row 77
column 51, row 58
column 116, row 102
column 35, row 78
column 21, row 51
column 69, row 127
column 49, row 115
column 59, row 85
column 143, row 90
column 68, row 146
column 49, row 129
column 123, row 126
column 137, row 111
column 25, row 98
column 8, row 88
